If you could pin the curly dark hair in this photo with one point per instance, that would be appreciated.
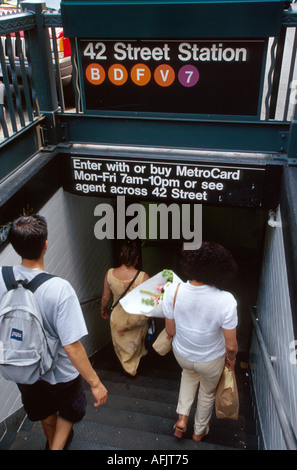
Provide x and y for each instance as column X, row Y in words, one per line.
column 211, row 264
column 129, row 252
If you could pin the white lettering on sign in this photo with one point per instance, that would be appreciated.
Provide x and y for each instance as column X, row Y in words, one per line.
column 124, row 51
column 215, row 53
column 165, row 181
column 91, row 51
column 215, row 173
column 187, row 51
column 201, row 75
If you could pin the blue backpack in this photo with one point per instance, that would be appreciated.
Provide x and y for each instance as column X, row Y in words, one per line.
column 27, row 350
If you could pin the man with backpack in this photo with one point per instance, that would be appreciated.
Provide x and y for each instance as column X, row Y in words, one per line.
column 41, row 324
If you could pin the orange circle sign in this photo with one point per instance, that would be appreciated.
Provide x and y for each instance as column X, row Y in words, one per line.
column 164, row 75
column 117, row 74
column 95, row 74
column 140, row 74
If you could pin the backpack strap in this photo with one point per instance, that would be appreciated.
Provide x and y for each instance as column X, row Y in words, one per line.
column 37, row 281
column 8, row 277
column 12, row 283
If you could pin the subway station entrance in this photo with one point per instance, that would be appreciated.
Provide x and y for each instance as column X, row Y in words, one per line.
column 178, row 125
column 173, row 200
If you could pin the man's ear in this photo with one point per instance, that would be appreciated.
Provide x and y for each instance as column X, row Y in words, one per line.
column 45, row 246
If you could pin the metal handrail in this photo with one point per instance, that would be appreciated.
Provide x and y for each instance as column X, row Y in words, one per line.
column 96, row 298
column 288, row 433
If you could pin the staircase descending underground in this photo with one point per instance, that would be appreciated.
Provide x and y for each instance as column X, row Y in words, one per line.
column 141, row 411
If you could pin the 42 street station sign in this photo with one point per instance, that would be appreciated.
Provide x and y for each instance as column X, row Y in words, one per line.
column 213, row 77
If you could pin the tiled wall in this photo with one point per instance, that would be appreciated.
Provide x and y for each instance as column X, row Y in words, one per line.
column 76, row 255
column 275, row 321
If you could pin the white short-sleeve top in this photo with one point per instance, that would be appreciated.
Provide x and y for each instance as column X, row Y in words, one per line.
column 200, row 313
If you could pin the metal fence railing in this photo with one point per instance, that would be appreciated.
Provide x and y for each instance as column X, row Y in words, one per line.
column 280, row 84
column 18, row 100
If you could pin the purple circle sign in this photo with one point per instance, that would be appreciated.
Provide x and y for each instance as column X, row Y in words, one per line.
column 188, row 75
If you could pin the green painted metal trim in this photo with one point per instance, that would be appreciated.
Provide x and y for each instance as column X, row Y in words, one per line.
column 290, row 18
column 197, row 134
column 17, row 22
column 172, row 19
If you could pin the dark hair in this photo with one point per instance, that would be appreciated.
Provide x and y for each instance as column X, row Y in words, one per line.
column 28, row 235
column 130, row 249
column 211, row 264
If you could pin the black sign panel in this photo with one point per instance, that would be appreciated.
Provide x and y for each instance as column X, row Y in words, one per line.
column 213, row 77
column 201, row 183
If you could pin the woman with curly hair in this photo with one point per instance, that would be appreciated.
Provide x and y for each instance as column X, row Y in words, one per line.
column 202, row 319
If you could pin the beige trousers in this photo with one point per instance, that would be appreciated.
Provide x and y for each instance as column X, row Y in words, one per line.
column 207, row 374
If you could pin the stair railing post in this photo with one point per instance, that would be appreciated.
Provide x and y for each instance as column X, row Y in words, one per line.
column 40, row 57
column 292, row 142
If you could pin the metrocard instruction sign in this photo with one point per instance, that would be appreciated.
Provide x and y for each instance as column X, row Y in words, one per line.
column 180, row 182
column 213, row 77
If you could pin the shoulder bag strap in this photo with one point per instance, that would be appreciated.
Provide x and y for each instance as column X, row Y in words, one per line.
column 175, row 295
column 125, row 291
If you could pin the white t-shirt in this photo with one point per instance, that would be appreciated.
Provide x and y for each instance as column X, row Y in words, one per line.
column 200, row 313
column 62, row 317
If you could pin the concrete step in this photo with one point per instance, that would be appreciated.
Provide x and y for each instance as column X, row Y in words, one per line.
column 141, row 411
